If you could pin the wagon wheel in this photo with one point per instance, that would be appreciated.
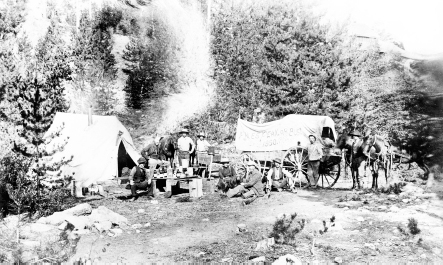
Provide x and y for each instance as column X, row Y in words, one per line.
column 328, row 175
column 295, row 160
column 241, row 165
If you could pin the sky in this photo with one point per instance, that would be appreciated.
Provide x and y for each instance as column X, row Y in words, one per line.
column 417, row 24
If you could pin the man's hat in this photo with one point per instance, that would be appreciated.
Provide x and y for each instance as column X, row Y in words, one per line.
column 224, row 160
column 141, row 160
column 201, row 134
column 184, row 131
column 312, row 136
column 355, row 133
column 277, row 160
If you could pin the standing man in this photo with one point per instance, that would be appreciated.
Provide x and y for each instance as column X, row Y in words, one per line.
column 185, row 147
column 152, row 155
column 279, row 177
column 315, row 153
column 138, row 179
column 253, row 187
column 202, row 144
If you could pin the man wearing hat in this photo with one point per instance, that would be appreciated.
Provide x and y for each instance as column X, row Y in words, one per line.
column 252, row 188
column 138, row 179
column 152, row 155
column 315, row 153
column 227, row 176
column 279, row 177
column 202, row 144
column 185, row 147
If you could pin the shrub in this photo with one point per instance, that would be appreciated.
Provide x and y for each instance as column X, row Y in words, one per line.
column 413, row 226
column 286, row 228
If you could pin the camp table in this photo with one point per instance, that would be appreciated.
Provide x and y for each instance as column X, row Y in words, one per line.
column 195, row 184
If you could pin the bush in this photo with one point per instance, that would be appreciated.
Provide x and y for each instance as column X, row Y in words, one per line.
column 286, row 228
column 413, row 226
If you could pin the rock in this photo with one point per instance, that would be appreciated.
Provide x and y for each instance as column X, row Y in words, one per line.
column 336, row 227
column 147, row 224
column 116, row 231
column 63, row 226
column 265, row 244
column 423, row 256
column 288, row 258
column 81, row 232
column 349, row 204
column 359, row 218
column 29, row 244
column 346, row 208
column 427, row 196
column 338, row 260
column 104, row 214
column 79, row 222
column 103, row 226
column 56, row 219
column 394, row 208
column 40, row 232
column 73, row 236
column 79, row 210
column 405, row 200
column 392, row 197
column 136, row 226
column 154, row 202
column 205, row 220
column 141, row 210
column 259, row 259
column 137, row 231
column 241, row 227
column 200, row 254
column 383, row 207
column 370, row 245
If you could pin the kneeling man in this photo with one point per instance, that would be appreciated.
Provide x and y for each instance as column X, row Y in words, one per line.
column 138, row 179
column 279, row 178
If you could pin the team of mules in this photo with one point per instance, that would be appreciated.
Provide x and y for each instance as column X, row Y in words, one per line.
column 377, row 153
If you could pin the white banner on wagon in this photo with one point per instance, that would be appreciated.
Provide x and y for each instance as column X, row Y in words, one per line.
column 284, row 133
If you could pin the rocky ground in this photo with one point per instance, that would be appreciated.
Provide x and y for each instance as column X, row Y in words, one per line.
column 339, row 226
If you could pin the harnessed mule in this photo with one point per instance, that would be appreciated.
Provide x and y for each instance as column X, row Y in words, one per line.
column 378, row 153
column 167, row 149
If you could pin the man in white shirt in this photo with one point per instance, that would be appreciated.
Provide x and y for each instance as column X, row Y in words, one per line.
column 279, row 177
column 202, row 144
column 185, row 147
column 315, row 154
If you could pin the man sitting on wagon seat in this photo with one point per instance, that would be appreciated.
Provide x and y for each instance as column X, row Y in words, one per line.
column 253, row 187
column 227, row 176
column 138, row 179
column 279, row 177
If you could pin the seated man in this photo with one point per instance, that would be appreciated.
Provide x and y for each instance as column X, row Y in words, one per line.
column 253, row 187
column 279, row 178
column 138, row 179
column 227, row 176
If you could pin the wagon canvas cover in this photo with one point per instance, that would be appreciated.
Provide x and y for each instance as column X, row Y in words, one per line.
column 281, row 134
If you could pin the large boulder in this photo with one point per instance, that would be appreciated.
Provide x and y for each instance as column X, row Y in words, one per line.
column 40, row 232
column 102, row 214
column 79, row 210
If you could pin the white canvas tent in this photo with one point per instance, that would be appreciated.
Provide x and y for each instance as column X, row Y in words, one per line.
column 99, row 150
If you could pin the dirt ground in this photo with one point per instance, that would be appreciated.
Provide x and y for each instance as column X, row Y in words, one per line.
column 369, row 227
